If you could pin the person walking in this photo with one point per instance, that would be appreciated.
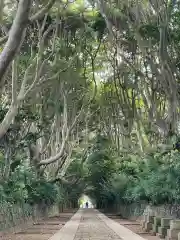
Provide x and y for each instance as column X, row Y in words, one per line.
column 87, row 204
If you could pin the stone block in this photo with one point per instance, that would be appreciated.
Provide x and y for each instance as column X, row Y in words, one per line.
column 153, row 233
column 172, row 234
column 178, row 236
column 162, row 232
column 157, row 221
column 143, row 224
column 150, row 219
column 175, row 224
column 154, row 228
column 149, row 210
column 148, row 226
column 165, row 222
column 160, row 236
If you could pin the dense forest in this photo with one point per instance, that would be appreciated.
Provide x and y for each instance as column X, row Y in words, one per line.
column 89, row 101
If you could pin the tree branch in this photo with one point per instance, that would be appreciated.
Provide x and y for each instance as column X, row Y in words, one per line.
column 10, row 115
column 4, row 126
column 16, row 36
column 35, row 17
column 43, row 11
column 61, row 151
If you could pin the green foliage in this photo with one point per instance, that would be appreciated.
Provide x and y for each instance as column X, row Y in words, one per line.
column 154, row 178
column 149, row 31
column 23, row 186
column 99, row 25
column 100, row 167
column 41, row 191
column 121, row 107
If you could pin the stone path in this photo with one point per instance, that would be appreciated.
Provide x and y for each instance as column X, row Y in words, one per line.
column 92, row 227
column 85, row 224
column 90, row 224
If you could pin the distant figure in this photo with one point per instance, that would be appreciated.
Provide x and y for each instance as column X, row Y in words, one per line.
column 87, row 204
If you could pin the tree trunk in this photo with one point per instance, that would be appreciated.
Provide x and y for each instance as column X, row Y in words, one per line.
column 16, row 36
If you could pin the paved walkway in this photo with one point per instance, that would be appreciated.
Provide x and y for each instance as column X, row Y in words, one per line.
column 91, row 227
column 90, row 224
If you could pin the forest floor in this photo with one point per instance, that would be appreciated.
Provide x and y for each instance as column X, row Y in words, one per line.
column 41, row 230
column 134, row 226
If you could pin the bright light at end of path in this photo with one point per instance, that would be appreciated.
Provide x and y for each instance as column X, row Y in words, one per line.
column 84, row 199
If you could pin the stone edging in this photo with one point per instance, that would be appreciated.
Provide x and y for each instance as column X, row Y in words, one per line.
column 69, row 230
column 120, row 230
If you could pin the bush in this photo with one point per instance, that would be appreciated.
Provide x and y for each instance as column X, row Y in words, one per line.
column 23, row 186
column 154, row 178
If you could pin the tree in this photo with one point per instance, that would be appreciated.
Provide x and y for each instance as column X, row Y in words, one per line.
column 89, row 92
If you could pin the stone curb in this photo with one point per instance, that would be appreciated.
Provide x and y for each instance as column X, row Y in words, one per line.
column 68, row 231
column 120, row 230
